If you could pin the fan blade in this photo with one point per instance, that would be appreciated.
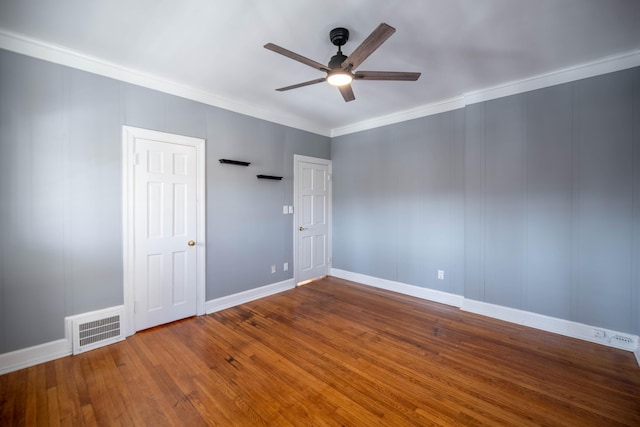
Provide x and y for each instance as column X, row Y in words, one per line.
column 296, row 57
column 386, row 75
column 347, row 93
column 368, row 46
column 310, row 82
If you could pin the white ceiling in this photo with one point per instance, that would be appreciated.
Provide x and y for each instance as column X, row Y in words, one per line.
column 215, row 48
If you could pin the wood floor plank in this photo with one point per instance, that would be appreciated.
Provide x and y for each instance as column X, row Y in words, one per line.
column 387, row 372
column 8, row 396
column 31, row 414
column 53, row 412
column 256, row 364
column 332, row 353
column 67, row 398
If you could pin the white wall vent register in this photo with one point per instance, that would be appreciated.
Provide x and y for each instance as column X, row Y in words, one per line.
column 97, row 329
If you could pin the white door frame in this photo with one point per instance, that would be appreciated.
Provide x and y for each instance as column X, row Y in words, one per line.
column 296, row 160
column 129, row 136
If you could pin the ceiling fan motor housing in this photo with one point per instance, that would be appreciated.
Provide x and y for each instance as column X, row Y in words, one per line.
column 337, row 60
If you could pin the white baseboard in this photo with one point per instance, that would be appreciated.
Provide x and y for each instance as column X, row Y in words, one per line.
column 247, row 296
column 35, row 355
column 512, row 315
column 551, row 324
column 402, row 288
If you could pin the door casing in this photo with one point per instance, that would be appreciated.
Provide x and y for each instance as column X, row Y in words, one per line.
column 129, row 136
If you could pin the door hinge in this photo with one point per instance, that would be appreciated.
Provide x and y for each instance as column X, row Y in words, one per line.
column 328, row 177
column 136, row 159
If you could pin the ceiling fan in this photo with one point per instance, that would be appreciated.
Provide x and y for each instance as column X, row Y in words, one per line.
column 340, row 70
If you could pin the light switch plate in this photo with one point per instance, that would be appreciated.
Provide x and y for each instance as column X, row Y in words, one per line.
column 290, row 209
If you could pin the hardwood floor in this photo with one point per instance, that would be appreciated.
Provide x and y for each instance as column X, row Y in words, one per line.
column 332, row 353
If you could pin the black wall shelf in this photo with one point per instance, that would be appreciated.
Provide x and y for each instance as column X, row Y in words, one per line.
column 234, row 162
column 276, row 178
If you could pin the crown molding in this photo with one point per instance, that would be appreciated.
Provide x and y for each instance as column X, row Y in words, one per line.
column 586, row 70
column 598, row 67
column 414, row 113
column 59, row 55
column 62, row 56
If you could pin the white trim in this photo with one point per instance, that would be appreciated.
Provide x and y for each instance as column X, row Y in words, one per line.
column 70, row 58
column 598, row 67
column 129, row 135
column 402, row 116
column 550, row 324
column 35, row 355
column 297, row 158
column 402, row 288
column 248, row 296
column 63, row 56
column 533, row 320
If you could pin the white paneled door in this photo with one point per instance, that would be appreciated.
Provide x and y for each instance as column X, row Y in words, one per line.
column 313, row 188
column 165, row 235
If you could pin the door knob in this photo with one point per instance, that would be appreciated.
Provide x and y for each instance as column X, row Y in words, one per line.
column 301, row 228
column 191, row 243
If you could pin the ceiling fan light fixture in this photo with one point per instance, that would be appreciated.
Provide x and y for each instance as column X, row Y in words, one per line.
column 340, row 70
column 339, row 78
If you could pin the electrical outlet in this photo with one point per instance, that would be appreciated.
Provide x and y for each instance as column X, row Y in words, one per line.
column 597, row 333
column 440, row 274
column 285, row 266
column 273, row 268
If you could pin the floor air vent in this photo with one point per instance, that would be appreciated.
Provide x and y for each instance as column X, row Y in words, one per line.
column 96, row 330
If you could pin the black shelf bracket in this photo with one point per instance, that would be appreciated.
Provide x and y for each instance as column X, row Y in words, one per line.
column 234, row 162
column 276, row 178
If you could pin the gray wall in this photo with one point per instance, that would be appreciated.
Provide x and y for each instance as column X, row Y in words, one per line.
column 398, row 202
column 60, row 193
column 550, row 218
column 530, row 201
